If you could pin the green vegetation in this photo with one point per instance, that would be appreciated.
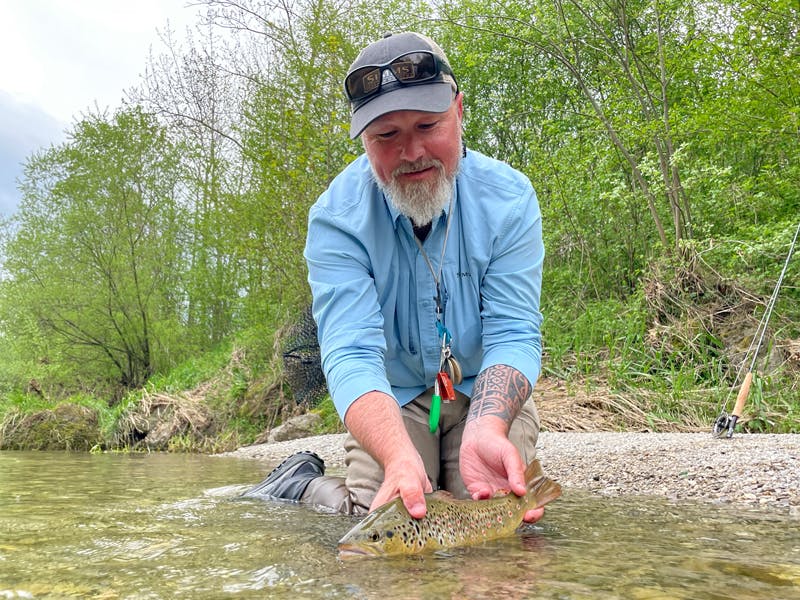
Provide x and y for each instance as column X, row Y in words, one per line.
column 156, row 258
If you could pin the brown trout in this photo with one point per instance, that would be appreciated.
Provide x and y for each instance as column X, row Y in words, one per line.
column 449, row 522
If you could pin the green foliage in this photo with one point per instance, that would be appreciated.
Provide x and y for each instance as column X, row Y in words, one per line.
column 193, row 371
column 93, row 256
column 331, row 422
column 662, row 139
column 24, row 403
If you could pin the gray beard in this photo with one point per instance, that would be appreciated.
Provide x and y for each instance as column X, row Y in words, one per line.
column 422, row 201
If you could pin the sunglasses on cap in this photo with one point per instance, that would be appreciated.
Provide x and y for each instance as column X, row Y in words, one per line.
column 408, row 69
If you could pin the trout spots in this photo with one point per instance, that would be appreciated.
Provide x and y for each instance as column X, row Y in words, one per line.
column 449, row 522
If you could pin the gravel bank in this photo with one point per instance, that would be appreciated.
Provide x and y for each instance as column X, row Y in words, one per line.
column 748, row 470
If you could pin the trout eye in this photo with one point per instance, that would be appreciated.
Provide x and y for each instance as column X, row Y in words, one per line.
column 375, row 536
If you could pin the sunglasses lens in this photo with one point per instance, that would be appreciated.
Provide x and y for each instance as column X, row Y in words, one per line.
column 363, row 82
column 409, row 68
column 417, row 66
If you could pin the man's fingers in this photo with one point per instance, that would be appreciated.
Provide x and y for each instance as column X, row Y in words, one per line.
column 380, row 499
column 533, row 515
column 411, row 493
column 516, row 472
column 414, row 501
column 480, row 491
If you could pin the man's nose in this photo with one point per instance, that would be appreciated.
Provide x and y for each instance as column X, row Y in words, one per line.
column 412, row 148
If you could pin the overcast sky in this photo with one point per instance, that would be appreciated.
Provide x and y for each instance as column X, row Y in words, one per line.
column 62, row 58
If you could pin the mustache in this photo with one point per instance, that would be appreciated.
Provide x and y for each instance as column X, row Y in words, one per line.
column 418, row 165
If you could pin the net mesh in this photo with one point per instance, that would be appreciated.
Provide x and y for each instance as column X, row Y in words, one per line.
column 301, row 361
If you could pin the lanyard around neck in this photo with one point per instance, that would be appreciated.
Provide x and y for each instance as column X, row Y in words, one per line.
column 437, row 277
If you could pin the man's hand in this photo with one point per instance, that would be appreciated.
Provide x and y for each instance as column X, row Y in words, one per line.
column 407, row 480
column 488, row 461
column 374, row 419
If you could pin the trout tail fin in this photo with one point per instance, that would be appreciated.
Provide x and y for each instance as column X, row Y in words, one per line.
column 541, row 489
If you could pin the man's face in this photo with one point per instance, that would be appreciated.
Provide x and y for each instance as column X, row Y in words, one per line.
column 415, row 157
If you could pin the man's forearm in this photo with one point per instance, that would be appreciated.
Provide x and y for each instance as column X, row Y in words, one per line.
column 499, row 391
column 374, row 419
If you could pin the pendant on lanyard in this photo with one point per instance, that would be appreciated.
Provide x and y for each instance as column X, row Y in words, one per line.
column 448, row 365
column 449, row 373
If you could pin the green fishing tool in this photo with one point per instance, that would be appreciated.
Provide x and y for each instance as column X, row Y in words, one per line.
column 436, row 409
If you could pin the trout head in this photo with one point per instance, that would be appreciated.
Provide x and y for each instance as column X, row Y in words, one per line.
column 387, row 530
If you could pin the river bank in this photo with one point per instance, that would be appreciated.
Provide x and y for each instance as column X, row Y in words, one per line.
column 747, row 470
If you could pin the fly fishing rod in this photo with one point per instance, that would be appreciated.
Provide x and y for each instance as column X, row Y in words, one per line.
column 726, row 423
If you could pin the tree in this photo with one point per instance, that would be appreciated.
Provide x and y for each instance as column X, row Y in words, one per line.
column 292, row 129
column 620, row 58
column 92, row 260
column 644, row 124
column 198, row 99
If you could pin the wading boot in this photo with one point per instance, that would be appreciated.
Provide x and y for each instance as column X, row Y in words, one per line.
column 289, row 479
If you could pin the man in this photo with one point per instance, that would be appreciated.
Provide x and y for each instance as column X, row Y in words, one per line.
column 425, row 267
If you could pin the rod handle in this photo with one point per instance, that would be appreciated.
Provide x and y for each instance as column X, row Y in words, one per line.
column 744, row 391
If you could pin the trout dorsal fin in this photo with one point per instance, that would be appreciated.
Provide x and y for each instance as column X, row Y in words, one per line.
column 441, row 495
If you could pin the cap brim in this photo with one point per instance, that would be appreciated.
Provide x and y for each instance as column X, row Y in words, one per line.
column 430, row 97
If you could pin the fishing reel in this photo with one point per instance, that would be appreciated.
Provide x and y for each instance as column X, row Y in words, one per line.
column 724, row 425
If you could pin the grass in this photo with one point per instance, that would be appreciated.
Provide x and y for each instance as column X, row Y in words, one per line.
column 676, row 347
column 194, row 371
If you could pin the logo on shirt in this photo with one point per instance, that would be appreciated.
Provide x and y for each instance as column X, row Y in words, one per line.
column 461, row 274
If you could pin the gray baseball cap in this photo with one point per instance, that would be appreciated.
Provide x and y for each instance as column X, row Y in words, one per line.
column 411, row 72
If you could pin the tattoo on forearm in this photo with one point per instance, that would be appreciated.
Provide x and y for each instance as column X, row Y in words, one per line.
column 499, row 391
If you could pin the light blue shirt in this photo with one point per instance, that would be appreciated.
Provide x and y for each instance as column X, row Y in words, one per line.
column 374, row 293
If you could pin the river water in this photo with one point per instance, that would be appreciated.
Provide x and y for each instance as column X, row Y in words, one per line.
column 168, row 526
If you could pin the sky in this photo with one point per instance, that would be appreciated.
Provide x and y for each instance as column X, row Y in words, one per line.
column 60, row 59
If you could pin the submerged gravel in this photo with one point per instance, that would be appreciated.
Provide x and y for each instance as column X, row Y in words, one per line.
column 747, row 470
